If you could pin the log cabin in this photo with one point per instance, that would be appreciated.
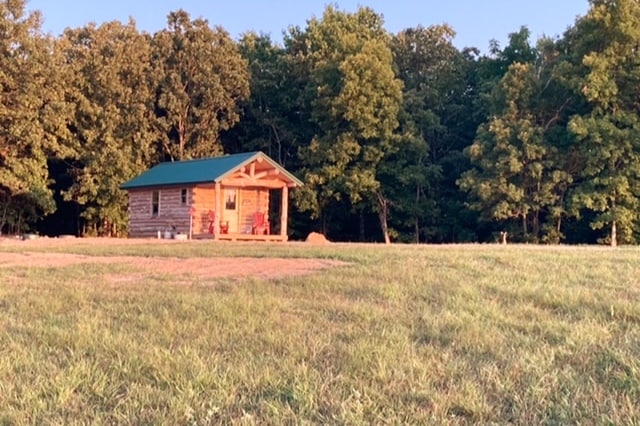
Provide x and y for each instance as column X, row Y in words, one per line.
column 223, row 198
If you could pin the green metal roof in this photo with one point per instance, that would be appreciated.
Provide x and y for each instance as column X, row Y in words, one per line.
column 199, row 171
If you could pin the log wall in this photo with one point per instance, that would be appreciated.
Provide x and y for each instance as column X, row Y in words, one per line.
column 171, row 212
column 204, row 200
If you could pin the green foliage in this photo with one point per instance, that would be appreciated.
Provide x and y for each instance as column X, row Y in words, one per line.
column 609, row 134
column 518, row 172
column 355, row 101
column 435, row 143
column 436, row 122
column 273, row 120
column 202, row 79
column 114, row 128
column 32, row 117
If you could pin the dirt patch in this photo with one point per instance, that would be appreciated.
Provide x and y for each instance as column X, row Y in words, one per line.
column 182, row 269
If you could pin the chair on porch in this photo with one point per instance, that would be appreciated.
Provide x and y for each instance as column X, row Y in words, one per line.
column 224, row 226
column 260, row 224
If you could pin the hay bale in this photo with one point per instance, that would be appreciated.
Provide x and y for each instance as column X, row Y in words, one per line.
column 316, row 238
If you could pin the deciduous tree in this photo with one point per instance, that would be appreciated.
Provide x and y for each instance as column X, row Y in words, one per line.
column 273, row 119
column 202, row 79
column 114, row 127
column 355, row 99
column 32, row 117
column 608, row 67
column 437, row 123
column 518, row 169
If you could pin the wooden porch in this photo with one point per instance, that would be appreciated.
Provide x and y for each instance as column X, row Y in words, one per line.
column 236, row 236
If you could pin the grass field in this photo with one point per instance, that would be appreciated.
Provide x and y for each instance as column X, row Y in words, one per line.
column 393, row 335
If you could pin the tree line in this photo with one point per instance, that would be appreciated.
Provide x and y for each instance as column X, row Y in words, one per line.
column 398, row 137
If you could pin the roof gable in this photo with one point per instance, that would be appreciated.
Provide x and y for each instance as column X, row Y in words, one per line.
column 200, row 171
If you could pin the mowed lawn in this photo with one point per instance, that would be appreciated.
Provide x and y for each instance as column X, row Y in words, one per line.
column 393, row 335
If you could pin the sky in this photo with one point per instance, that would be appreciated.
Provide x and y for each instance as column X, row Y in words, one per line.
column 476, row 22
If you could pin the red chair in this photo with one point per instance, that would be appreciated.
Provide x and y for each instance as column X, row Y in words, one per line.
column 224, row 227
column 260, row 224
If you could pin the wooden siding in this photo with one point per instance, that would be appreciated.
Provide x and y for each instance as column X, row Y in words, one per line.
column 256, row 200
column 204, row 200
column 249, row 201
column 171, row 212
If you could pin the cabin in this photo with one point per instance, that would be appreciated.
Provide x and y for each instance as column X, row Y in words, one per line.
column 223, row 198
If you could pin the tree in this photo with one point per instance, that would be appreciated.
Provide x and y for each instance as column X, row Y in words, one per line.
column 518, row 171
column 32, row 117
column 355, row 99
column 114, row 127
column 202, row 79
column 272, row 118
column 608, row 77
column 493, row 67
column 436, row 124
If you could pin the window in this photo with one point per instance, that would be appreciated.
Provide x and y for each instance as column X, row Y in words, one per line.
column 183, row 196
column 155, row 203
column 230, row 196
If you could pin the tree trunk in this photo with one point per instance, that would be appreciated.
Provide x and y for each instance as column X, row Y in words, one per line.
column 383, row 213
column 536, row 225
column 18, row 228
column 418, row 220
column 323, row 224
column 3, row 220
column 559, row 225
column 182, row 139
column 614, row 234
column 362, row 232
column 279, row 142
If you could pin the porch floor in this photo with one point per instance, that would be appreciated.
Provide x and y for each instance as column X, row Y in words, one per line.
column 243, row 237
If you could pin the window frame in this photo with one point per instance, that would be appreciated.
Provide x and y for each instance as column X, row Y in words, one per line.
column 184, row 196
column 231, row 199
column 155, row 203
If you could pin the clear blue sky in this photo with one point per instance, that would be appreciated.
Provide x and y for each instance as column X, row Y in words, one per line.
column 476, row 22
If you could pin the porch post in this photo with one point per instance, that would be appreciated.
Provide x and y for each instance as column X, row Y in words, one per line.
column 218, row 212
column 284, row 213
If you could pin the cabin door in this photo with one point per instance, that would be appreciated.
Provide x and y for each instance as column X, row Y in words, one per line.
column 231, row 208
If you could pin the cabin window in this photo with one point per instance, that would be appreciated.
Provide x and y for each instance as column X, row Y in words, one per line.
column 230, row 198
column 184, row 196
column 155, row 203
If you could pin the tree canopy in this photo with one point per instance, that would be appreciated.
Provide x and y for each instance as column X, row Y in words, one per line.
column 32, row 117
column 398, row 137
column 202, row 78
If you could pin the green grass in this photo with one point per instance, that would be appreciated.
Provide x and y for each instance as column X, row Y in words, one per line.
column 400, row 335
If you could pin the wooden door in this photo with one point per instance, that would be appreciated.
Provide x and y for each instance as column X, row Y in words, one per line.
column 231, row 204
